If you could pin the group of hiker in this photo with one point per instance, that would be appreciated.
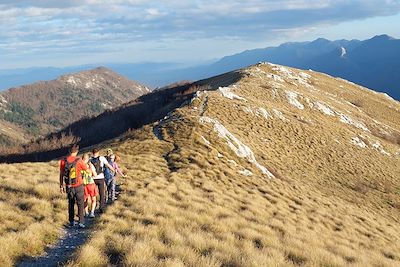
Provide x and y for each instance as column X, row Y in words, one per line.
column 86, row 179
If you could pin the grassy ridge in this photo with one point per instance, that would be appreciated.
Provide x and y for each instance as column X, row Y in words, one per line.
column 185, row 204
column 31, row 209
column 190, row 200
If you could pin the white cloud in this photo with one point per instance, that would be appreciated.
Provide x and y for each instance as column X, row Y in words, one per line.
column 153, row 11
column 29, row 24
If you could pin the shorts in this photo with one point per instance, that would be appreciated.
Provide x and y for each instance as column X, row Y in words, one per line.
column 90, row 190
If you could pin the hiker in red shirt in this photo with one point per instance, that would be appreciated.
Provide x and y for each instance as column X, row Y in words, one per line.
column 71, row 177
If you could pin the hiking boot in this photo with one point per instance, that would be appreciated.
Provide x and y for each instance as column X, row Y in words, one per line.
column 91, row 215
column 86, row 214
column 72, row 224
column 81, row 225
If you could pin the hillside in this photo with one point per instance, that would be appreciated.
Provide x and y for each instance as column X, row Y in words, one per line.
column 284, row 168
column 265, row 166
column 47, row 106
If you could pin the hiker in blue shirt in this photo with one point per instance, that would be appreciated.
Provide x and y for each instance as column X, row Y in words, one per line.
column 110, row 177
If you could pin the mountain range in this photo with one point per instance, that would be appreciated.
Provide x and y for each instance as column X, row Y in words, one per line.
column 374, row 63
column 29, row 111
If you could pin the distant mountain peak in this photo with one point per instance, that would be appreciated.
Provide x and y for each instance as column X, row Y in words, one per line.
column 90, row 72
column 45, row 104
column 320, row 41
column 382, row 37
column 96, row 78
column 102, row 68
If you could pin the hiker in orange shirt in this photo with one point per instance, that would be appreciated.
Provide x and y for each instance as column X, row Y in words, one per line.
column 71, row 177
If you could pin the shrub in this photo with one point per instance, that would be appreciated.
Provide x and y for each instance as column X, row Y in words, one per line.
column 96, row 107
column 54, row 122
column 23, row 116
column 4, row 141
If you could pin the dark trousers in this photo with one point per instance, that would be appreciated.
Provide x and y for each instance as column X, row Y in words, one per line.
column 76, row 195
column 102, row 192
column 111, row 189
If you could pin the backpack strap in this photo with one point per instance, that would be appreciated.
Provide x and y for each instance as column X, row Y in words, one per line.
column 70, row 163
column 66, row 163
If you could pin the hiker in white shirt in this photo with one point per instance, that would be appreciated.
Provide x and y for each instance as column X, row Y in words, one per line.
column 100, row 162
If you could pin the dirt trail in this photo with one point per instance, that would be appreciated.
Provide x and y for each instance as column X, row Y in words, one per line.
column 203, row 106
column 71, row 239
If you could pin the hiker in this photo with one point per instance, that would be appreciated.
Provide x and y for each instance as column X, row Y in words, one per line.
column 90, row 187
column 109, row 152
column 107, row 171
column 111, row 178
column 70, row 175
column 99, row 163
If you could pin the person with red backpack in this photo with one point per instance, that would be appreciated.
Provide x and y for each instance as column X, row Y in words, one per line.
column 71, row 177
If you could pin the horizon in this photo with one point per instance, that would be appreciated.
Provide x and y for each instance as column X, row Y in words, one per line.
column 93, row 32
column 183, row 64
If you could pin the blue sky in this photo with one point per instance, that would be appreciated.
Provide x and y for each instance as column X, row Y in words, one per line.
column 77, row 32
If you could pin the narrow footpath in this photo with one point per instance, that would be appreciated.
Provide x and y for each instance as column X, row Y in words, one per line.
column 70, row 240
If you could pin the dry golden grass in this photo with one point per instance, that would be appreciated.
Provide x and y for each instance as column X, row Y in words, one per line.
column 186, row 204
column 186, row 201
column 31, row 209
column 205, row 214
